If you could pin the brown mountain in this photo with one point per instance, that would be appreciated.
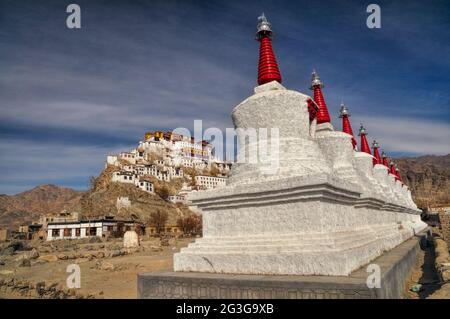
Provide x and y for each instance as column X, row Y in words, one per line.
column 428, row 177
column 29, row 205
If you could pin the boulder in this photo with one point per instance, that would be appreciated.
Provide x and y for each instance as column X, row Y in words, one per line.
column 25, row 262
column 32, row 254
column 104, row 265
column 100, row 254
column 49, row 258
column 63, row 256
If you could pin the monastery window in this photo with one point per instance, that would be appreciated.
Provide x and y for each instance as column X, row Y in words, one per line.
column 77, row 232
column 92, row 231
column 67, row 232
column 55, row 232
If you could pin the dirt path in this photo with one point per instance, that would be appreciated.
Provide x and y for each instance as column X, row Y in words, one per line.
column 425, row 274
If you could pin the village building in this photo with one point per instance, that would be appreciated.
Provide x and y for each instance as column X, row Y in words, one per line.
column 177, row 199
column 105, row 227
column 32, row 231
column 146, row 186
column 131, row 178
column 210, row 182
column 174, row 230
column 63, row 216
column 128, row 156
column 182, row 196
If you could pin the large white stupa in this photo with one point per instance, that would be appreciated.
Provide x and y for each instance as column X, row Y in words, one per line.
column 325, row 209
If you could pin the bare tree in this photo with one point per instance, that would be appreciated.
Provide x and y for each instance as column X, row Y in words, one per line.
column 190, row 225
column 159, row 220
column 92, row 182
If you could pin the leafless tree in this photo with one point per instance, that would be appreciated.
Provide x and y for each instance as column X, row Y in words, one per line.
column 159, row 220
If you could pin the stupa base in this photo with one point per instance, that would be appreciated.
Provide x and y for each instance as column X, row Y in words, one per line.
column 297, row 226
column 395, row 268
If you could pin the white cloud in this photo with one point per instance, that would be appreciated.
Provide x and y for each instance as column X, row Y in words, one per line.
column 410, row 135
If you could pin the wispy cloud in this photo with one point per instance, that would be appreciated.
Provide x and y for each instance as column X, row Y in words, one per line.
column 68, row 97
column 410, row 135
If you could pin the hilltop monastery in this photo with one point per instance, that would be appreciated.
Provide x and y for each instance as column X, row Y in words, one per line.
column 166, row 156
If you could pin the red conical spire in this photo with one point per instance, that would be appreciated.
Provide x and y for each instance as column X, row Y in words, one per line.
column 267, row 68
column 377, row 159
column 392, row 170
column 316, row 85
column 312, row 109
column 364, row 145
column 346, row 127
column 385, row 159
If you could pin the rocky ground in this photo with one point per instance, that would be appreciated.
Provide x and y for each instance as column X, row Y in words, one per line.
column 430, row 278
column 38, row 269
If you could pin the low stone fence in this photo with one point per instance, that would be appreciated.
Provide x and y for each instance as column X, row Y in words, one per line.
column 442, row 264
column 40, row 290
column 444, row 220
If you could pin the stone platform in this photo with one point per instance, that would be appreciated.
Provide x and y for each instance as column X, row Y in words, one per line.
column 395, row 265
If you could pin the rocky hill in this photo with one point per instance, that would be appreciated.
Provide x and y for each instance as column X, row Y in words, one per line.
column 101, row 200
column 428, row 177
column 29, row 205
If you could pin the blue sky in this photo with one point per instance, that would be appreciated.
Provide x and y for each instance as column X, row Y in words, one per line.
column 69, row 97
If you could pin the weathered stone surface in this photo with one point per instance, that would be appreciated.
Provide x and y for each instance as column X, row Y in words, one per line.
column 316, row 207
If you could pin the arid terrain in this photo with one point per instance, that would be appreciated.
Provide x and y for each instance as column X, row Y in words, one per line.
column 428, row 177
column 107, row 270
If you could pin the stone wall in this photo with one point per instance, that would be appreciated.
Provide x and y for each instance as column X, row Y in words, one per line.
column 40, row 290
column 442, row 264
column 444, row 219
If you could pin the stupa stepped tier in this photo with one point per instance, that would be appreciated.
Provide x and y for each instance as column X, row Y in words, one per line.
column 324, row 209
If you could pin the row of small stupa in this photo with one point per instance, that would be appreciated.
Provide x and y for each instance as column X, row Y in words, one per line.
column 268, row 71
